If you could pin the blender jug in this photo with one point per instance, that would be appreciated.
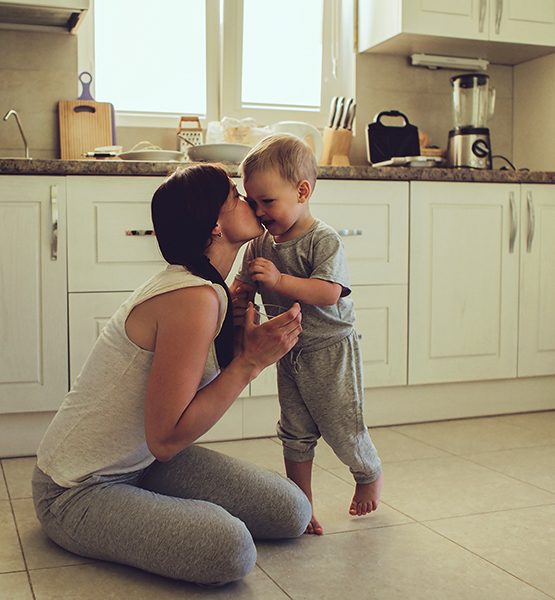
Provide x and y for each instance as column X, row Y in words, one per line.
column 473, row 100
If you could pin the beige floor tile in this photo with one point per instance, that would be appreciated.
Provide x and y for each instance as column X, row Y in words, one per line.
column 521, row 542
column 408, row 562
column 40, row 551
column 531, row 465
column 544, row 422
column 102, row 581
column 262, row 451
column 18, row 476
column 15, row 586
column 448, row 487
column 332, row 497
column 3, row 488
column 11, row 558
column 473, row 436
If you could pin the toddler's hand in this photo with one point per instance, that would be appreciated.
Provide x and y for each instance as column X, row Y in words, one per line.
column 265, row 271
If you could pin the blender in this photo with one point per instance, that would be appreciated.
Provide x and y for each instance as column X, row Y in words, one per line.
column 473, row 104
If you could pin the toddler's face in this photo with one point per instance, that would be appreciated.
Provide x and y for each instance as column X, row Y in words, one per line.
column 276, row 203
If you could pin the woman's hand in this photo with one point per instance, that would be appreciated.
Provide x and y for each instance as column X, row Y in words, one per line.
column 264, row 344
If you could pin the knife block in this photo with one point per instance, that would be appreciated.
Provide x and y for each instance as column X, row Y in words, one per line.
column 337, row 144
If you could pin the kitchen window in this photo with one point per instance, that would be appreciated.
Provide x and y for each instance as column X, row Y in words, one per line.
column 273, row 61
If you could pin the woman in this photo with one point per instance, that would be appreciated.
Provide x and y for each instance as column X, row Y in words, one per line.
column 117, row 476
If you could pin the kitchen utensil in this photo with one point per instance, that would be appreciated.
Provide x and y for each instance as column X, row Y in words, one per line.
column 84, row 123
column 189, row 132
column 225, row 153
column 333, row 108
column 473, row 104
column 339, row 112
column 384, row 142
column 347, row 112
column 305, row 131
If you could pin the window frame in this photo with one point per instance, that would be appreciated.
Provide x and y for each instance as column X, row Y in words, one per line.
column 224, row 23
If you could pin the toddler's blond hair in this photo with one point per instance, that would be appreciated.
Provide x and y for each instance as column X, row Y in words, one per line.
column 290, row 156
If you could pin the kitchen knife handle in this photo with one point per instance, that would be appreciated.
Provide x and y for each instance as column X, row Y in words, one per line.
column 347, row 232
column 483, row 6
column 54, row 213
column 531, row 222
column 512, row 235
column 499, row 16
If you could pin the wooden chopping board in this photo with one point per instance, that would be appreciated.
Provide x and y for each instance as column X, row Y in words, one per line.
column 84, row 126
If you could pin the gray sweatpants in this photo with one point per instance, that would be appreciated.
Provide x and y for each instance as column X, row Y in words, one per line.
column 321, row 395
column 193, row 518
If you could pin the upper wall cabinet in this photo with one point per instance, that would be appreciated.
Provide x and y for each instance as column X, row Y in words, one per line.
column 501, row 31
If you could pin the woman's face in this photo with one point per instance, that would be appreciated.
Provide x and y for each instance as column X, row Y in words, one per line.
column 237, row 220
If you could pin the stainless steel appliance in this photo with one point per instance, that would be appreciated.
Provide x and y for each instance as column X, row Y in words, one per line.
column 473, row 104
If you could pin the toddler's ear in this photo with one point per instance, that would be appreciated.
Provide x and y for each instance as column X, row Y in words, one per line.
column 304, row 190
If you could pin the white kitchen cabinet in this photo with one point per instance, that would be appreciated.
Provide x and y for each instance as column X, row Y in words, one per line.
column 33, row 294
column 372, row 217
column 464, row 282
column 459, row 28
column 536, row 353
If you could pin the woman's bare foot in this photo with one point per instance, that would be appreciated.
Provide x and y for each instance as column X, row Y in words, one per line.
column 366, row 498
column 314, row 527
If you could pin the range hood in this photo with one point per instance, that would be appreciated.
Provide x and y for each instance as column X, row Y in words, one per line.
column 64, row 14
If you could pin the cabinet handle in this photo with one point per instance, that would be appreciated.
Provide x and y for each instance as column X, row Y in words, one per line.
column 499, row 16
column 483, row 6
column 54, row 213
column 512, row 235
column 141, row 232
column 531, row 222
column 346, row 232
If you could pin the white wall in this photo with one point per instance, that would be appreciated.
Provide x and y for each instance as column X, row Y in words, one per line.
column 534, row 110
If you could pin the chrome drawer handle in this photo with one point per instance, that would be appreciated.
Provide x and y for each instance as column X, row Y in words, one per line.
column 531, row 222
column 512, row 235
column 347, row 232
column 141, row 232
column 54, row 213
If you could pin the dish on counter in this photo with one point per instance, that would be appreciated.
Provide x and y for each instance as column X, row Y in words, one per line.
column 152, row 155
column 225, row 153
column 411, row 161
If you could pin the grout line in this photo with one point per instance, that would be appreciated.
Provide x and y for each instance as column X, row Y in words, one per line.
column 274, row 581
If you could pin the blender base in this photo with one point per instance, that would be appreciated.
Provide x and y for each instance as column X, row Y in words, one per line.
column 469, row 147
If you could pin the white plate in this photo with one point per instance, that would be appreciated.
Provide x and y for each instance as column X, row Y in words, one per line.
column 152, row 155
column 225, row 153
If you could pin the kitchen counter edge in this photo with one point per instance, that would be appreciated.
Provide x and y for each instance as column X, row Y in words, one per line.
column 158, row 169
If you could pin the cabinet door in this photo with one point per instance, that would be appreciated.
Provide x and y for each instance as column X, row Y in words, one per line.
column 33, row 294
column 536, row 354
column 466, row 19
column 463, row 298
column 381, row 325
column 103, row 253
column 523, row 22
column 372, row 218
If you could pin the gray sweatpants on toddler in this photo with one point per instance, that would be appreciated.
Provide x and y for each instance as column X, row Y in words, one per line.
column 321, row 395
column 192, row 518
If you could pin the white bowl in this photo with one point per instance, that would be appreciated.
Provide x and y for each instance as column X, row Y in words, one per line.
column 225, row 153
column 152, row 155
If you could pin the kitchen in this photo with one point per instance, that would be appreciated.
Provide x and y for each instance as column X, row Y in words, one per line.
column 522, row 129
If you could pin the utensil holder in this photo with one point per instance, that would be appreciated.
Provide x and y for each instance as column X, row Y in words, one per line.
column 337, row 144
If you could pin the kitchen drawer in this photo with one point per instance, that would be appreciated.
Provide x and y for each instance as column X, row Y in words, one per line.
column 102, row 256
column 372, row 218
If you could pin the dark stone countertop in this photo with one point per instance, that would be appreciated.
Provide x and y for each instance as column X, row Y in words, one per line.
column 9, row 166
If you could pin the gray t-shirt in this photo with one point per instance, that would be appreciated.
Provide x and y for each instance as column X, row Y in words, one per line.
column 317, row 254
column 100, row 426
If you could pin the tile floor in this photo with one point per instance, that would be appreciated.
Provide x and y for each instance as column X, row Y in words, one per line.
column 468, row 511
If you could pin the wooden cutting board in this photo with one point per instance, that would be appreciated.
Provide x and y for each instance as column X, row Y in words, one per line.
column 84, row 126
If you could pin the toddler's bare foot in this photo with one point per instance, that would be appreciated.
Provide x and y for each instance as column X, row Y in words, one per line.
column 366, row 498
column 314, row 527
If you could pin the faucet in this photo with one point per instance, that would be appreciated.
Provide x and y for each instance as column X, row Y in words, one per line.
column 12, row 112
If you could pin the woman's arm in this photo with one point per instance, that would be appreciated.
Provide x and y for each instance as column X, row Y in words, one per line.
column 176, row 412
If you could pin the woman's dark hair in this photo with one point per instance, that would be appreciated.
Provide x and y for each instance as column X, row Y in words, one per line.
column 185, row 210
